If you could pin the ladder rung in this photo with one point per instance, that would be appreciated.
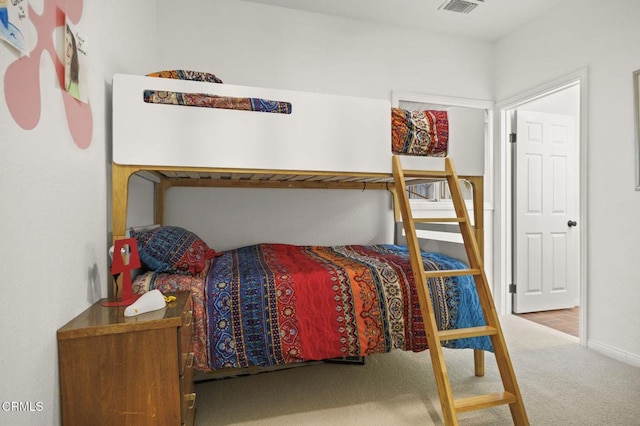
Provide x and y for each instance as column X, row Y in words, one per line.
column 461, row 333
column 451, row 273
column 484, row 401
column 439, row 219
column 425, row 173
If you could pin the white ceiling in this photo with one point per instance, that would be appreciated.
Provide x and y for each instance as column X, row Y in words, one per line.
column 491, row 20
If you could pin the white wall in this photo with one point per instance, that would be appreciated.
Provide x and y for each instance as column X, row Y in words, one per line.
column 229, row 218
column 53, row 205
column 566, row 101
column 257, row 45
column 601, row 36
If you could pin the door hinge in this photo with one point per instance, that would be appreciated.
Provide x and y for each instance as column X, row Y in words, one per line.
column 512, row 137
column 512, row 288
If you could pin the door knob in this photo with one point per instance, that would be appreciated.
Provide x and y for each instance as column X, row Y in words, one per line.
column 572, row 223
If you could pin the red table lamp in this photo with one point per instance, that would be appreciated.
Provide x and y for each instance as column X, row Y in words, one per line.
column 125, row 259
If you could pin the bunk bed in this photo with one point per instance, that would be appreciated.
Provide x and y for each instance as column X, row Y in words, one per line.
column 285, row 139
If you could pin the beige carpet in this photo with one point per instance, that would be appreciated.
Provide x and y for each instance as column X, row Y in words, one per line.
column 561, row 382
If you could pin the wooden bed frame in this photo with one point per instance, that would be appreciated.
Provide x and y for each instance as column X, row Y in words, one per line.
column 166, row 177
column 151, row 139
column 321, row 145
column 327, row 141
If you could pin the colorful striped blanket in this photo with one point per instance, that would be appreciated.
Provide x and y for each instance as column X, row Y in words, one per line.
column 213, row 101
column 275, row 304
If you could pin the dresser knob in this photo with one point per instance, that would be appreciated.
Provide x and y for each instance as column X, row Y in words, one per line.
column 187, row 319
column 190, row 399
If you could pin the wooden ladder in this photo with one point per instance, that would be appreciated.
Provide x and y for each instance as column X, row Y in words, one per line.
column 450, row 407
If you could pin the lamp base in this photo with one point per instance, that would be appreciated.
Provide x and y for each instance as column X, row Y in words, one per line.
column 120, row 302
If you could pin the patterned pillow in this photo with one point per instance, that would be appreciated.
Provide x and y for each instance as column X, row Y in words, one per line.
column 172, row 249
column 424, row 133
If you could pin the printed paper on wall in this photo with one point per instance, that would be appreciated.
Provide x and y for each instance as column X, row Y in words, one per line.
column 75, row 62
column 14, row 17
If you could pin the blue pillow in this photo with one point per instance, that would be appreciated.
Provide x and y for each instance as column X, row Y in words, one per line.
column 172, row 249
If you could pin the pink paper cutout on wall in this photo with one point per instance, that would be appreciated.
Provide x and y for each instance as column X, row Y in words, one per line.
column 22, row 78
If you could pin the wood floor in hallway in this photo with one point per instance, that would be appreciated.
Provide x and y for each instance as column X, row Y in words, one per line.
column 565, row 320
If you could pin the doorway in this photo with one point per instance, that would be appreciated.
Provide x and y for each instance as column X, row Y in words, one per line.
column 542, row 230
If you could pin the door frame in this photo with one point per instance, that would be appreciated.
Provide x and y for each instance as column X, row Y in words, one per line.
column 503, row 266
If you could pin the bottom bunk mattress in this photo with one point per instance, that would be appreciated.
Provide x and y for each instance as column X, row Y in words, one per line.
column 273, row 304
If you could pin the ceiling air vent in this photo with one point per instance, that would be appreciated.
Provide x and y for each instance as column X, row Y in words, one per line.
column 460, row 6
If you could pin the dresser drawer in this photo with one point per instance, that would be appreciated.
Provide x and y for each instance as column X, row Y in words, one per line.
column 185, row 334
column 188, row 397
column 187, row 388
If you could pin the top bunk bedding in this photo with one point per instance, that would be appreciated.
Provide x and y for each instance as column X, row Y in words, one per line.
column 249, row 128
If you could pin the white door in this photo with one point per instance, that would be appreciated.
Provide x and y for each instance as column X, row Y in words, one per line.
column 546, row 227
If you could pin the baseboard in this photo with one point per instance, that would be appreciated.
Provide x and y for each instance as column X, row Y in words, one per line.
column 615, row 353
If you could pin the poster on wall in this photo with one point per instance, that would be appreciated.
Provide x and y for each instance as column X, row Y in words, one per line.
column 75, row 62
column 14, row 17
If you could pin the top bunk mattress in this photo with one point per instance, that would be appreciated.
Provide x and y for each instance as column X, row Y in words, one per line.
column 320, row 132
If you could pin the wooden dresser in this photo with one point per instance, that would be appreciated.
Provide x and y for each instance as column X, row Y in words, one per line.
column 117, row 370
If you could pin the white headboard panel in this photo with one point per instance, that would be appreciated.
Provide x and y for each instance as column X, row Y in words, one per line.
column 323, row 132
